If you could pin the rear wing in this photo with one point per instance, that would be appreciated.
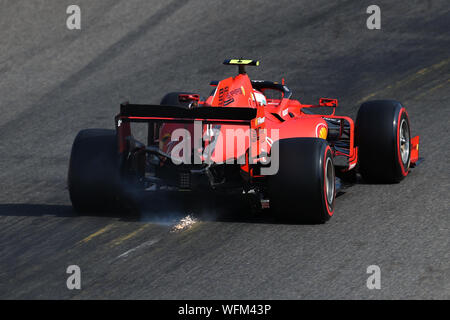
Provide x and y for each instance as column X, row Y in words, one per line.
column 150, row 113
column 176, row 114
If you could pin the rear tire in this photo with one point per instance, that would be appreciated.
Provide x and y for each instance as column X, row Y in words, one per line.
column 303, row 190
column 94, row 178
column 384, row 141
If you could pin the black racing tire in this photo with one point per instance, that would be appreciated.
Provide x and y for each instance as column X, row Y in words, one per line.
column 384, row 141
column 94, row 178
column 303, row 190
column 171, row 99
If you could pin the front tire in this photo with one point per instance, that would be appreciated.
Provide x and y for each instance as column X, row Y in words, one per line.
column 384, row 141
column 303, row 190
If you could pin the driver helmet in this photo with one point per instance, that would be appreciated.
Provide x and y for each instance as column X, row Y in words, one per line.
column 260, row 98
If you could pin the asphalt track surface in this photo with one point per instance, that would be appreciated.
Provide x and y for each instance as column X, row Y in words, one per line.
column 55, row 82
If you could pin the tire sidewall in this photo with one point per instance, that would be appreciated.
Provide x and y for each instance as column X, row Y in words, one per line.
column 402, row 168
column 326, row 155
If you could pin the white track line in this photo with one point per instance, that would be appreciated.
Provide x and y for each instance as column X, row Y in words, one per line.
column 142, row 245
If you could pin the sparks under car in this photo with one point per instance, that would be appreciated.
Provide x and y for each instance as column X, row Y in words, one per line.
column 249, row 137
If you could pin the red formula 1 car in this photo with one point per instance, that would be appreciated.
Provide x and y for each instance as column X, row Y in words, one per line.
column 247, row 137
